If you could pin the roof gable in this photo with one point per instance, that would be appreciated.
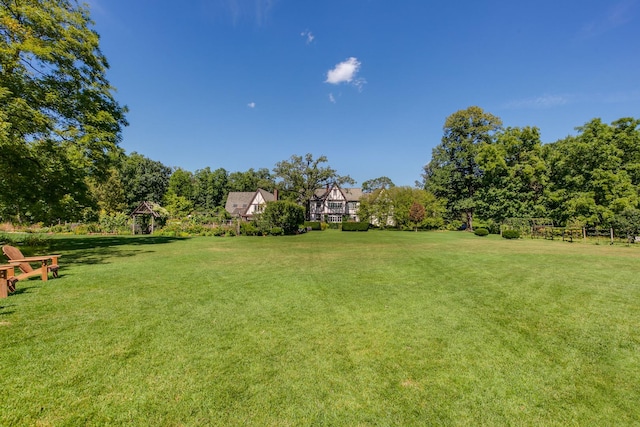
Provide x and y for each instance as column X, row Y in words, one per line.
column 238, row 202
column 345, row 194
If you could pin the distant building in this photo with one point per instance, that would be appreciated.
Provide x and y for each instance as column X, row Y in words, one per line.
column 332, row 204
column 245, row 204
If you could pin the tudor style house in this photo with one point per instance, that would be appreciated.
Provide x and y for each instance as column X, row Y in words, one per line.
column 333, row 204
column 245, row 204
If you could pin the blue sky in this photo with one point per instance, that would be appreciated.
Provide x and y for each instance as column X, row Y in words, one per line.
column 242, row 84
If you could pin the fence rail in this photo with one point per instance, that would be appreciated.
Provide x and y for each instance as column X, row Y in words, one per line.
column 573, row 234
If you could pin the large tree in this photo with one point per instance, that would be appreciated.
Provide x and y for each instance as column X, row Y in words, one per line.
column 301, row 176
column 595, row 174
column 453, row 172
column 210, row 188
column 251, row 180
column 372, row 185
column 514, row 176
column 143, row 179
column 59, row 121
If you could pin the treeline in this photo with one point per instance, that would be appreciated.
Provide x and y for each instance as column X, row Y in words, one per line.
column 484, row 171
column 134, row 178
column 60, row 159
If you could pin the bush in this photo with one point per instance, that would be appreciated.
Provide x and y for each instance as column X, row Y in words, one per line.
column 283, row 214
column 481, row 232
column 276, row 231
column 81, row 230
column 315, row 225
column 355, row 226
column 249, row 229
column 511, row 234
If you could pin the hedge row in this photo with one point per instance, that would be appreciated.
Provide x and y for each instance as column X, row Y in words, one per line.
column 355, row 226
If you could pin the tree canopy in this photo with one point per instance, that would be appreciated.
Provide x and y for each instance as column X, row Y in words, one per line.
column 59, row 120
column 454, row 173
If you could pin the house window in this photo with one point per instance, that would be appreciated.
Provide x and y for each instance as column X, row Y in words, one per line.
column 334, row 218
column 335, row 205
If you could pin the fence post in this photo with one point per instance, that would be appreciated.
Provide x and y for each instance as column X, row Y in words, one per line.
column 612, row 235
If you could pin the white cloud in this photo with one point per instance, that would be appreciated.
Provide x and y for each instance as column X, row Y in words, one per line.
column 332, row 98
column 345, row 72
column 251, row 105
column 308, row 35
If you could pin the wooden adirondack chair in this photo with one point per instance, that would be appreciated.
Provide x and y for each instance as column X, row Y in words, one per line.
column 7, row 280
column 48, row 263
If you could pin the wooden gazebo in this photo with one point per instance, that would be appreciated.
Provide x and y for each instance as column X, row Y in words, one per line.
column 144, row 208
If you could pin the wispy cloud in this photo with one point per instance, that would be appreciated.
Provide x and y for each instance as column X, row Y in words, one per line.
column 251, row 105
column 308, row 35
column 552, row 101
column 618, row 15
column 346, row 72
column 257, row 10
column 332, row 98
column 539, row 102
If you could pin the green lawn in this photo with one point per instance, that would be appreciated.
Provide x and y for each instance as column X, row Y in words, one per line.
column 327, row 328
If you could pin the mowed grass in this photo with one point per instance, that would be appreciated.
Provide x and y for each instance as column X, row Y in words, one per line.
column 327, row 328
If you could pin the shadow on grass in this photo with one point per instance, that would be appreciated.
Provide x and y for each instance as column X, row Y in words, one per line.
column 95, row 250
column 21, row 290
column 4, row 312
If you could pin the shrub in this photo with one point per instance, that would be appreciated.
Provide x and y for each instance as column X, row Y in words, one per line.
column 249, row 229
column 315, row 225
column 276, row 231
column 283, row 214
column 218, row 231
column 355, row 226
column 324, row 226
column 481, row 232
column 81, row 230
column 511, row 234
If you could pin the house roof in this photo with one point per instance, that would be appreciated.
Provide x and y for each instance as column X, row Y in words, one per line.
column 350, row 194
column 238, row 202
column 268, row 197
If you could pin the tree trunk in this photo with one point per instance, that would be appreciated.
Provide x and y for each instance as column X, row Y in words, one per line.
column 469, row 220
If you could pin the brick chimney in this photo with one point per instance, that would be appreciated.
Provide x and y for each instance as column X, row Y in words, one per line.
column 275, row 194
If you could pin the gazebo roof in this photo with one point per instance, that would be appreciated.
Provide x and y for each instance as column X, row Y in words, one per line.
column 146, row 208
